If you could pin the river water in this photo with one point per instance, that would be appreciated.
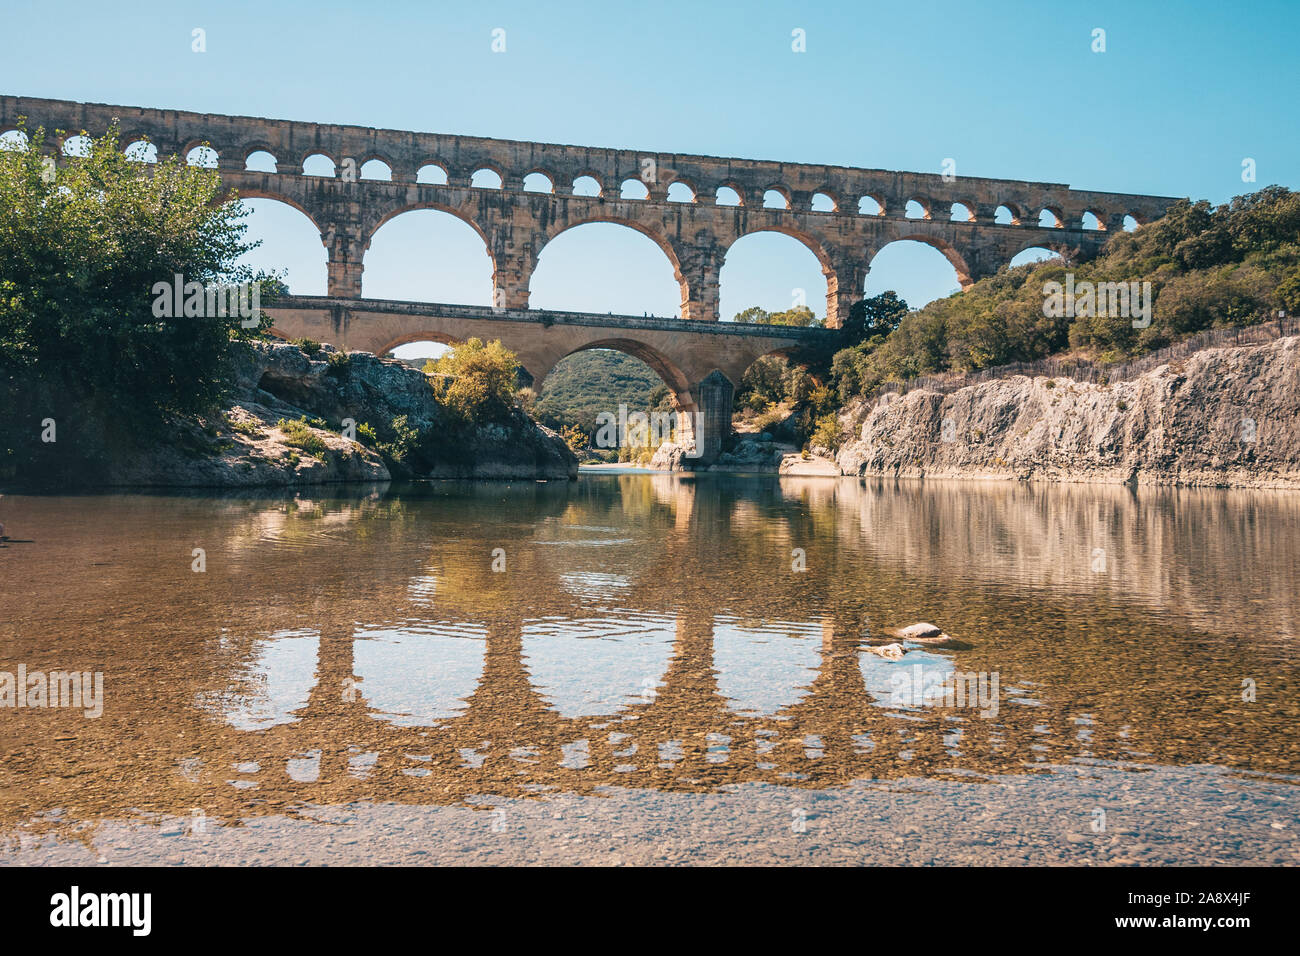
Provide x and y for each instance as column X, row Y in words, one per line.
column 638, row 668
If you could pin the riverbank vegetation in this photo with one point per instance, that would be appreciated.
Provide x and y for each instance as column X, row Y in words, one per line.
column 1208, row 267
column 85, row 363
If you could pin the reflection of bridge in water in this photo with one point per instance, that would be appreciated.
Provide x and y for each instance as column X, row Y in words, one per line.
column 684, row 558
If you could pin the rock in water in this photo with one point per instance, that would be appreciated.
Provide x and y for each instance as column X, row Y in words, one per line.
column 890, row 651
column 914, row 631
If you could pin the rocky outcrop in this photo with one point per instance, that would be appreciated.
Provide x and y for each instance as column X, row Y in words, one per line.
column 295, row 417
column 1222, row 417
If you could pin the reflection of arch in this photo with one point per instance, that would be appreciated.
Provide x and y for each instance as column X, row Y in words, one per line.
column 946, row 248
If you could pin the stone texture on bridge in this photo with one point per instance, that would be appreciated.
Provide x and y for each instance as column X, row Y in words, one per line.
column 516, row 224
column 695, row 235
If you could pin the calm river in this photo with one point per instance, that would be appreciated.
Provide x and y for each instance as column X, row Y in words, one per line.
column 641, row 668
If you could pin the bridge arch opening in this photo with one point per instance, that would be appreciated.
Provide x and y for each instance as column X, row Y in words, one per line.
column 1093, row 222
column 290, row 243
column 775, row 198
column 376, row 169
column 727, row 196
column 1003, row 216
column 633, row 189
column 1050, row 219
column 318, row 164
column 598, row 379
column 870, row 206
column 664, row 369
column 773, row 271
column 204, row 156
column 823, row 202
column 962, row 212
column 78, row 146
column 680, row 192
column 260, row 161
column 538, row 183
column 586, row 186
column 431, row 174
column 485, row 178
column 918, row 269
column 605, row 266
column 1130, row 223
column 142, row 151
column 418, row 347
column 428, row 255
column 1033, row 254
column 915, row 210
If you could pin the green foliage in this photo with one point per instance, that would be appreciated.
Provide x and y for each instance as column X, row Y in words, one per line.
column 828, row 432
column 339, row 363
column 575, row 438
column 1237, row 264
column 81, row 249
column 405, row 445
column 482, row 381
column 877, row 316
column 587, row 383
column 298, row 434
column 310, row 346
column 800, row 315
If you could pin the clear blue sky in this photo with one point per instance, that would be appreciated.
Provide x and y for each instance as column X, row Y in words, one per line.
column 1184, row 92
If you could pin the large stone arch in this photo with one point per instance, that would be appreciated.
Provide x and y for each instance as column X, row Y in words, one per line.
column 679, row 384
column 836, row 273
column 406, row 338
column 946, row 248
column 382, row 218
column 275, row 195
column 658, row 238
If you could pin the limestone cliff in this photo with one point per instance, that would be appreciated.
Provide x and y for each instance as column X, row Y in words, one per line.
column 1221, row 417
column 283, row 424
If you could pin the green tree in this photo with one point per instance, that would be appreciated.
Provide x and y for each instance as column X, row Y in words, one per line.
column 482, row 380
column 82, row 247
column 878, row 315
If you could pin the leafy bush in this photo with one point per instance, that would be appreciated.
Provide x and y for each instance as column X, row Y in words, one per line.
column 828, row 433
column 339, row 363
column 82, row 248
column 483, row 381
column 298, row 433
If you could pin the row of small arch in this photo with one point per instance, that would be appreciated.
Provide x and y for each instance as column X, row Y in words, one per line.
column 632, row 188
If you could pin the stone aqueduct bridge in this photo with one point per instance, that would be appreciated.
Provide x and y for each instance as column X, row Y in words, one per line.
column 516, row 225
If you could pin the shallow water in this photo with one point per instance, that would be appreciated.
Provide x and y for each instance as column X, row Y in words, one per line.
column 666, row 669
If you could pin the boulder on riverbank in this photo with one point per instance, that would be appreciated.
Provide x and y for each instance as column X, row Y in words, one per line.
column 310, row 417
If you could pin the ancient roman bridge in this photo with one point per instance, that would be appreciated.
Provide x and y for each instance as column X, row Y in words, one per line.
column 678, row 200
